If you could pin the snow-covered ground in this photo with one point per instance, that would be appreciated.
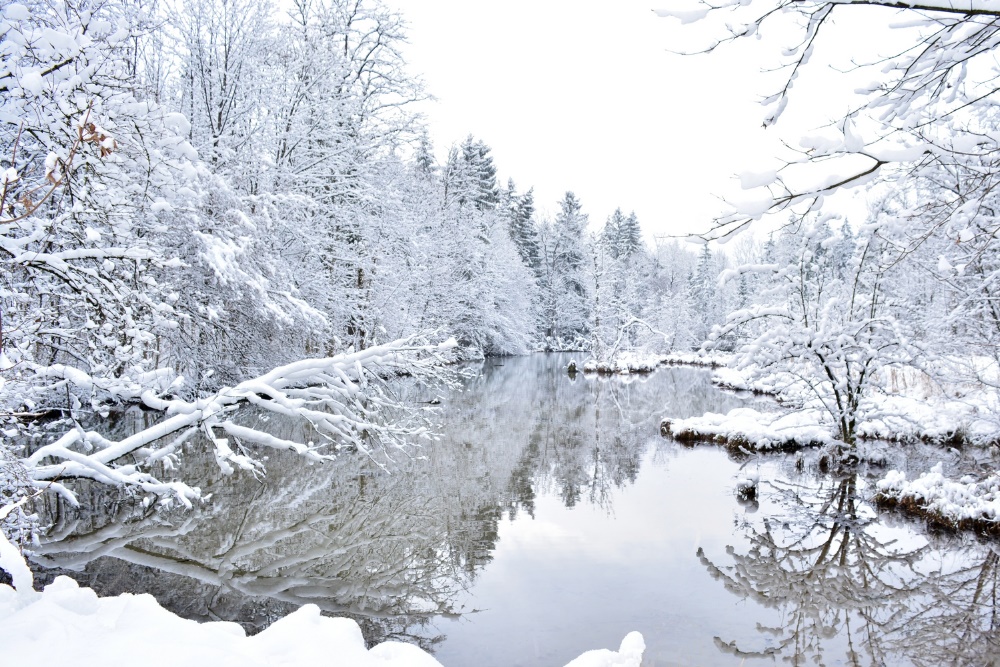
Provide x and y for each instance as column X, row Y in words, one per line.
column 749, row 428
column 954, row 502
column 65, row 624
column 637, row 361
column 731, row 378
column 702, row 358
column 625, row 363
column 903, row 406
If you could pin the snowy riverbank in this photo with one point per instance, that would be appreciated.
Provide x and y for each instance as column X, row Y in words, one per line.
column 904, row 406
column 752, row 430
column 634, row 361
column 965, row 503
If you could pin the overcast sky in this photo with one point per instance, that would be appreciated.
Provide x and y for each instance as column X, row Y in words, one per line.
column 585, row 95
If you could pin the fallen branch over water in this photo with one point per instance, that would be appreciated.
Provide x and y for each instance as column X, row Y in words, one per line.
column 343, row 398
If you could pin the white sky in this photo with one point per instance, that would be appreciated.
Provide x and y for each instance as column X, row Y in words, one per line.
column 585, row 95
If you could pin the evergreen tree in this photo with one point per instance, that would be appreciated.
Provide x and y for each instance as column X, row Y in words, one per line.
column 423, row 159
column 622, row 274
column 630, row 236
column 565, row 293
column 622, row 235
column 703, row 296
column 611, row 233
column 471, row 177
column 520, row 211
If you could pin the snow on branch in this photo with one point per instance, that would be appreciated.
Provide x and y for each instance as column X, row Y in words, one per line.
column 344, row 398
column 942, row 72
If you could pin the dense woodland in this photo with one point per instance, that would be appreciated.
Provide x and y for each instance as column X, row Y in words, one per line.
column 214, row 189
column 195, row 193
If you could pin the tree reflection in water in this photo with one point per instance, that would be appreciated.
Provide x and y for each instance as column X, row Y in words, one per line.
column 586, row 436
column 850, row 589
column 595, row 448
column 354, row 544
column 391, row 549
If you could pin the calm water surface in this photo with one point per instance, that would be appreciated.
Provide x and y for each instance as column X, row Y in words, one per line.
column 551, row 518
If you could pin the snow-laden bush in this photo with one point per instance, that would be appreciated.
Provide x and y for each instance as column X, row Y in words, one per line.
column 18, row 526
column 965, row 501
column 824, row 325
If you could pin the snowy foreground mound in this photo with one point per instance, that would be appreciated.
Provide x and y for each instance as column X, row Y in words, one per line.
column 69, row 625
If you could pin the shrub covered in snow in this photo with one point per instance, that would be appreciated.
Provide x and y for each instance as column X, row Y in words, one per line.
column 18, row 526
column 965, row 503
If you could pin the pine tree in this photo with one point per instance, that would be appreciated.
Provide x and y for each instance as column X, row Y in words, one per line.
column 622, row 234
column 470, row 176
column 486, row 192
column 622, row 273
column 520, row 211
column 703, row 295
column 423, row 159
column 565, row 307
column 611, row 234
column 630, row 236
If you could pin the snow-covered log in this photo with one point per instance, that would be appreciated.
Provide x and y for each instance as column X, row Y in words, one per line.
column 343, row 398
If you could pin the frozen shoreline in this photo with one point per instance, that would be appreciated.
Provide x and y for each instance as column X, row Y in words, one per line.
column 900, row 412
column 965, row 503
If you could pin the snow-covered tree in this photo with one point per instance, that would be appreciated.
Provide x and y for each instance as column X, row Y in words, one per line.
column 222, row 46
column 825, row 325
column 492, row 291
column 564, row 280
column 470, row 178
column 343, row 399
column 670, row 302
column 133, row 271
column 622, row 298
column 89, row 168
column 915, row 111
column 520, row 210
column 921, row 134
column 19, row 526
column 622, row 234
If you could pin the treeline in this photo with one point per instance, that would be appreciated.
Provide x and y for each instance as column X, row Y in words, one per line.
column 204, row 190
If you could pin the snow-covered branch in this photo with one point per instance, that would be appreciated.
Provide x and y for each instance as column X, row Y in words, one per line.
column 344, row 399
column 934, row 73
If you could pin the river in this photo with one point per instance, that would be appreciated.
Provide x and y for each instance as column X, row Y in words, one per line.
column 551, row 518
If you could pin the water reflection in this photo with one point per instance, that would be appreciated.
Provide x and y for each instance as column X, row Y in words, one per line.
column 852, row 589
column 391, row 548
column 552, row 508
column 349, row 541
